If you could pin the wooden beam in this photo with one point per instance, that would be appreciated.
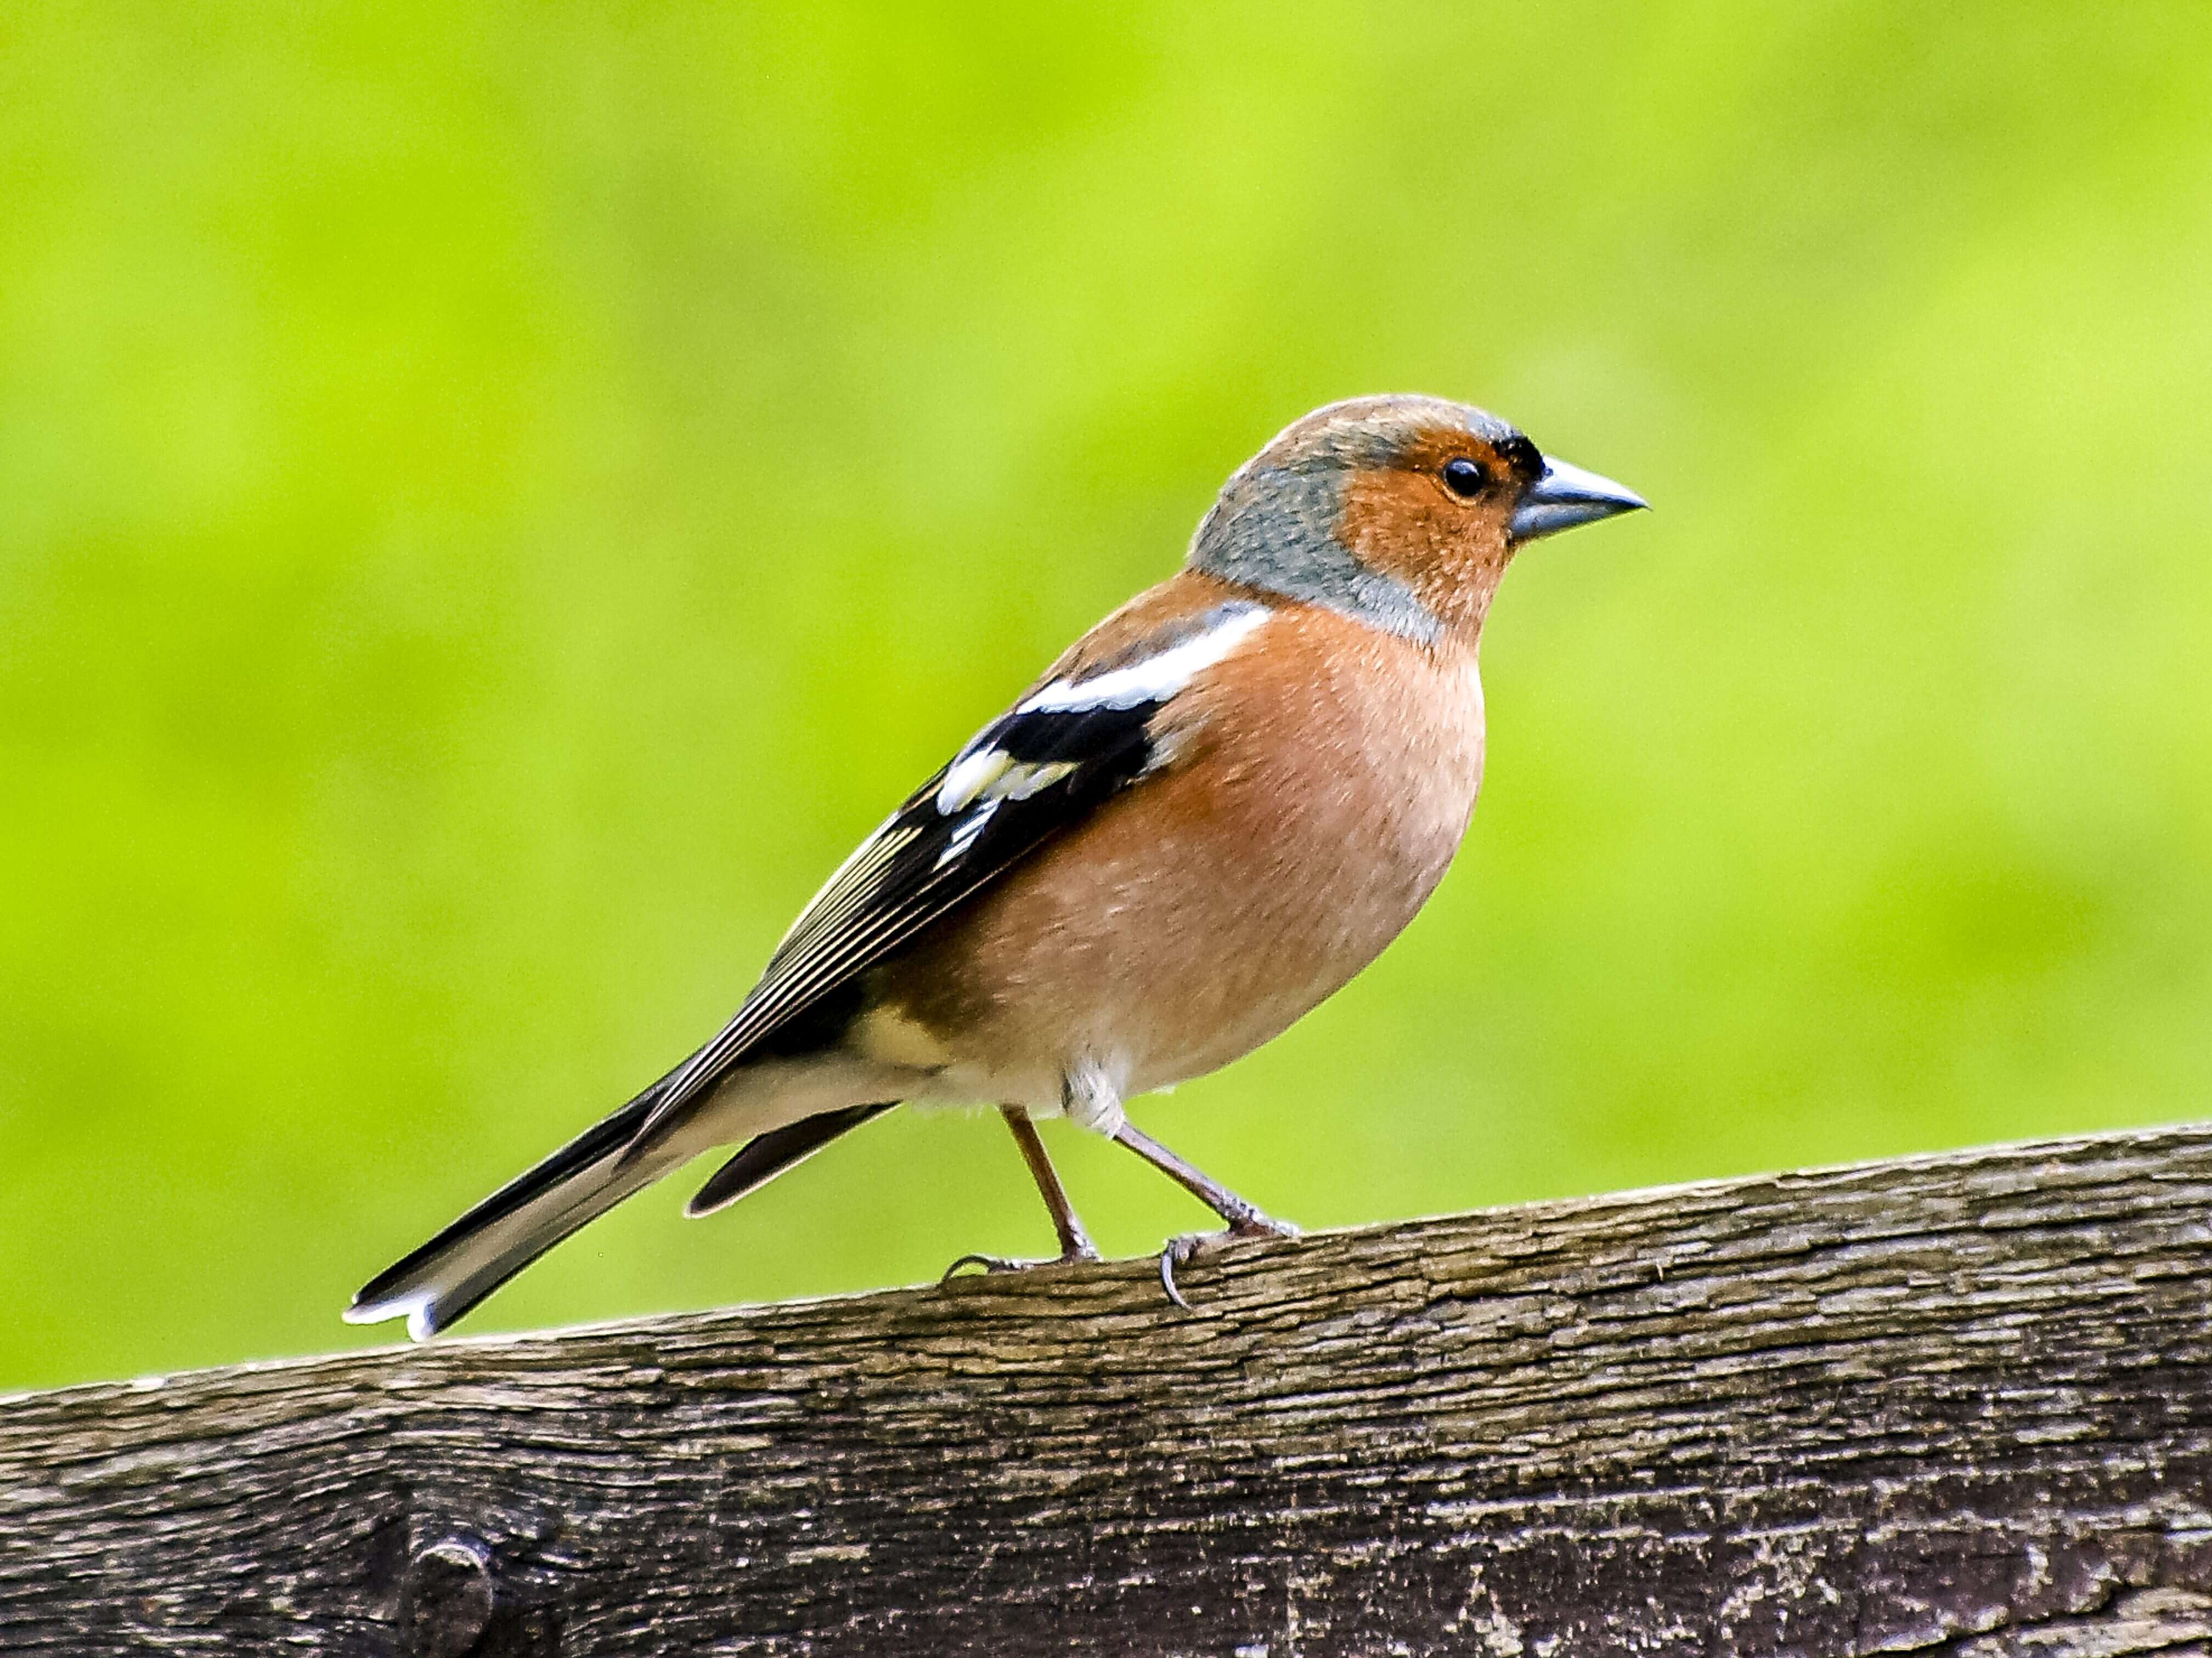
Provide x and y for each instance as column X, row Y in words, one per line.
column 1959, row 1404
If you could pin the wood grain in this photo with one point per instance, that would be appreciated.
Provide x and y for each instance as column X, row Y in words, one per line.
column 1958, row 1404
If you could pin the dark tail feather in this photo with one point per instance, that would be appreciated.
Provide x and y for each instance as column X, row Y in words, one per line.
column 766, row 1156
column 436, row 1284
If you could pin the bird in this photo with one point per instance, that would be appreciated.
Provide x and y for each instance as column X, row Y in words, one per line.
column 1216, row 808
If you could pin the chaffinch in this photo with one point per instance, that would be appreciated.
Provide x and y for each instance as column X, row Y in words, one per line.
column 1213, row 810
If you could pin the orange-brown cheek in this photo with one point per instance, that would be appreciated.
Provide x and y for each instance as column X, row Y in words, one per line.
column 1451, row 554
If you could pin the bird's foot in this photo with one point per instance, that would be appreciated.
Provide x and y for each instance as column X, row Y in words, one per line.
column 996, row 1264
column 1194, row 1246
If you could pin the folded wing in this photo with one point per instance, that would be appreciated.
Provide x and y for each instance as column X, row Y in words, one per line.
column 1064, row 750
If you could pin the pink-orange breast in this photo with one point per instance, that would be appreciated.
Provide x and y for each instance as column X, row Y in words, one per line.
column 1325, row 776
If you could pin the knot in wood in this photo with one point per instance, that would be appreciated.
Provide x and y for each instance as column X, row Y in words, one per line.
column 449, row 1598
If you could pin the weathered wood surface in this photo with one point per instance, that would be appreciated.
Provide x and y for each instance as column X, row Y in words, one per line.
column 1960, row 1404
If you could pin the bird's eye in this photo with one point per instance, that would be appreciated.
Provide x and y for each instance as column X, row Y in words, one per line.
column 1465, row 478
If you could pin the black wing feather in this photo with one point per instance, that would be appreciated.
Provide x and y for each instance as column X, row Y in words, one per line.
column 920, row 865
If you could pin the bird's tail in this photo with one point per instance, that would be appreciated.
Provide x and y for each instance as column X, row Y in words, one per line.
column 436, row 1284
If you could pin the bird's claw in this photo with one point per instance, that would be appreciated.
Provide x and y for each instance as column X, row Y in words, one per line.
column 993, row 1265
column 989, row 1264
column 1181, row 1252
column 1192, row 1246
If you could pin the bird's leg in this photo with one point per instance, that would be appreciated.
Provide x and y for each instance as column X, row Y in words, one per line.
column 1075, row 1243
column 1244, row 1219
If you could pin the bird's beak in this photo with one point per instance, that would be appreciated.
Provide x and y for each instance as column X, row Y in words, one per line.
column 1565, row 496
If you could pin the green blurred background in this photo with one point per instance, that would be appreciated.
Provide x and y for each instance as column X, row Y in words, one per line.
column 494, row 501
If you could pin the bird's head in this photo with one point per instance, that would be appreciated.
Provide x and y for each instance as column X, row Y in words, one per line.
column 1402, row 511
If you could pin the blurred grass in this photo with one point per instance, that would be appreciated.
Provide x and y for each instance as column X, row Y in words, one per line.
column 497, row 500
